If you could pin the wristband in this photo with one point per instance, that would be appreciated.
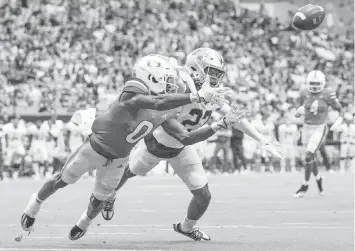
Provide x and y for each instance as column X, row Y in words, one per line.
column 215, row 127
column 220, row 125
column 194, row 98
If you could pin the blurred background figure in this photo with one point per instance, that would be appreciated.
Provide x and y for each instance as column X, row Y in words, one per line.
column 347, row 141
column 288, row 138
column 239, row 160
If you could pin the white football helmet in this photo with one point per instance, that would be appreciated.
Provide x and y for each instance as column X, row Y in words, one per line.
column 205, row 61
column 157, row 72
column 315, row 81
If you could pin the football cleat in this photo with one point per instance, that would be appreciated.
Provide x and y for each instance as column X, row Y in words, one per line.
column 27, row 222
column 301, row 192
column 76, row 233
column 320, row 185
column 29, row 215
column 195, row 233
column 107, row 211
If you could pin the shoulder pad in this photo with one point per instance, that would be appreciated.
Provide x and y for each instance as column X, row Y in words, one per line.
column 135, row 85
column 330, row 93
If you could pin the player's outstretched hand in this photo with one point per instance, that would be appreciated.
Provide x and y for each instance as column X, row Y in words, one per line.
column 234, row 116
column 274, row 150
column 212, row 95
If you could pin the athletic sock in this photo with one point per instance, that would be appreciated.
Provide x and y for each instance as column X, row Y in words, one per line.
column 308, row 171
column 187, row 224
column 315, row 170
column 38, row 199
column 112, row 197
column 84, row 221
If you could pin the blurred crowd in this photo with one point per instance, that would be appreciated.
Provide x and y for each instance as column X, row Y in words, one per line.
column 74, row 54
column 39, row 149
column 70, row 55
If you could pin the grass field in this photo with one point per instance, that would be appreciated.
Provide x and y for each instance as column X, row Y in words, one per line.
column 248, row 212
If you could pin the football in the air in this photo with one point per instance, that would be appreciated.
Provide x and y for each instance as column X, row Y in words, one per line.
column 309, row 17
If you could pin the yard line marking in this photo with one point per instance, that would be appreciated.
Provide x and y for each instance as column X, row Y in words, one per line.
column 45, row 237
column 94, row 225
column 305, row 212
column 122, row 233
column 308, row 223
column 73, row 249
column 142, row 210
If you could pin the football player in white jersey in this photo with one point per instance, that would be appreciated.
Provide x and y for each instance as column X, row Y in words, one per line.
column 266, row 128
column 347, row 141
column 201, row 64
column 288, row 137
column 15, row 151
column 39, row 151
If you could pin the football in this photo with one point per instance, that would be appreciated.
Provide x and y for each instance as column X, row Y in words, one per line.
column 309, row 17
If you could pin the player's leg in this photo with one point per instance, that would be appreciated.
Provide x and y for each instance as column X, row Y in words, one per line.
column 241, row 155
column 140, row 163
column 316, row 137
column 234, row 147
column 77, row 164
column 225, row 163
column 292, row 158
column 108, row 175
column 325, row 158
column 188, row 167
column 343, row 157
column 1, row 165
column 286, row 158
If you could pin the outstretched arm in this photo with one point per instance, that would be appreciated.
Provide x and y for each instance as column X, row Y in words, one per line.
column 161, row 102
column 246, row 127
column 175, row 129
column 164, row 102
column 179, row 132
column 251, row 131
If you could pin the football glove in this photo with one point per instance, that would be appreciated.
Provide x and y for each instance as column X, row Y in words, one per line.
column 208, row 94
column 274, row 150
column 234, row 116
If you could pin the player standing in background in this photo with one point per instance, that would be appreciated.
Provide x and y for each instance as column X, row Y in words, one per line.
column 267, row 128
column 14, row 132
column 288, row 138
column 38, row 151
column 141, row 107
column 2, row 147
column 203, row 65
column 315, row 101
column 347, row 141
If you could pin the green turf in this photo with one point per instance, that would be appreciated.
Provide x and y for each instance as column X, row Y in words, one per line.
column 248, row 212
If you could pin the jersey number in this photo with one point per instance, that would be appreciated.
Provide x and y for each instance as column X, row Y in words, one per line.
column 314, row 107
column 198, row 114
column 142, row 130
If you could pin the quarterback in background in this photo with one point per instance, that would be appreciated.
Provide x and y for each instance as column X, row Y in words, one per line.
column 315, row 101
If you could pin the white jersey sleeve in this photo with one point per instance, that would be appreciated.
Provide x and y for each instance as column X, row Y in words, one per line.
column 83, row 120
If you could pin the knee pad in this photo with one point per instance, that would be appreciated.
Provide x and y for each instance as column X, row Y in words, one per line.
column 309, row 157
